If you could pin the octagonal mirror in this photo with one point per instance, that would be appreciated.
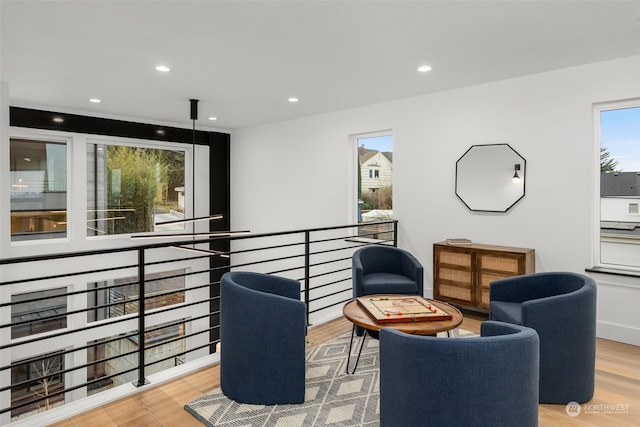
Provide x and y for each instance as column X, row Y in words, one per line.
column 490, row 178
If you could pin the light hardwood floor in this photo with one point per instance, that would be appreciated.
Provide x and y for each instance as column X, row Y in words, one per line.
column 617, row 385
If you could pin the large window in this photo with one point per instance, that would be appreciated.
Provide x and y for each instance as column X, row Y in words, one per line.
column 133, row 189
column 619, row 143
column 38, row 312
column 130, row 189
column 38, row 179
column 375, row 182
column 36, row 378
column 112, row 359
column 119, row 297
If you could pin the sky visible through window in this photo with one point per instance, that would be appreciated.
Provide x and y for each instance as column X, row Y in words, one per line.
column 620, row 135
column 380, row 143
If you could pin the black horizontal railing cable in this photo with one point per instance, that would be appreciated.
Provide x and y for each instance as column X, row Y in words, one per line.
column 306, row 254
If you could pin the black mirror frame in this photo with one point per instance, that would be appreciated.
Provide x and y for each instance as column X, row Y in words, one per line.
column 523, row 171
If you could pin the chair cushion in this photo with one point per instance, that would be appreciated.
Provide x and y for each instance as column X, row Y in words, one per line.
column 388, row 283
column 510, row 312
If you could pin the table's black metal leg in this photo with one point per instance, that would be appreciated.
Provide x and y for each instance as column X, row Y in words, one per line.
column 364, row 335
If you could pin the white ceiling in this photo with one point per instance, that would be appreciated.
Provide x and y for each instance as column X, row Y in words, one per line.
column 244, row 59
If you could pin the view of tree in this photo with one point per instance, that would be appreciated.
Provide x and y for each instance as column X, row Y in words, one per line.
column 48, row 369
column 607, row 164
column 174, row 162
column 142, row 179
column 381, row 199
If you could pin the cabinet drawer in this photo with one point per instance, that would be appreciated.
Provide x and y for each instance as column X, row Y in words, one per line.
column 498, row 263
column 448, row 292
column 462, row 274
column 454, row 275
column 456, row 258
column 484, row 282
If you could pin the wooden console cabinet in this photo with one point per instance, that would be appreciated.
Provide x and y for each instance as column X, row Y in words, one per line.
column 462, row 273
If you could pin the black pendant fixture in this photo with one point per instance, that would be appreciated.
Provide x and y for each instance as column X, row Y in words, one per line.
column 193, row 116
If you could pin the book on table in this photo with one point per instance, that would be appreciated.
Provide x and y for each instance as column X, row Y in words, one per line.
column 458, row 241
column 402, row 308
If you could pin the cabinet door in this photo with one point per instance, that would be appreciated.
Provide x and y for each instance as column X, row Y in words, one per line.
column 494, row 266
column 453, row 276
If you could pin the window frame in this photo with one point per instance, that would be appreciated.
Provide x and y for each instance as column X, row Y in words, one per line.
column 155, row 145
column 597, row 262
column 54, row 138
column 29, row 389
column 76, row 155
column 41, row 326
column 152, row 296
column 354, row 173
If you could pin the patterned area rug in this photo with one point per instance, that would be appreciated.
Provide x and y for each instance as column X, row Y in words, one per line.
column 332, row 397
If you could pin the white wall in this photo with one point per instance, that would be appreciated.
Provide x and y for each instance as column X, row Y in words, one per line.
column 299, row 173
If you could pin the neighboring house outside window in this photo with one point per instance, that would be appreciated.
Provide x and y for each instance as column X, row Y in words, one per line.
column 375, row 183
column 619, row 224
column 380, row 169
column 618, row 138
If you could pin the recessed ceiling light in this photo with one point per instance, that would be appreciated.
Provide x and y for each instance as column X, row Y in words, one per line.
column 58, row 119
column 293, row 99
column 95, row 100
column 163, row 68
column 424, row 68
column 213, row 118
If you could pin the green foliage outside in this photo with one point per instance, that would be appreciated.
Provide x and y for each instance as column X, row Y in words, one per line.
column 607, row 164
column 381, row 199
column 141, row 179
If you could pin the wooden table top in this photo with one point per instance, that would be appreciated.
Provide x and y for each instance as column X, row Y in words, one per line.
column 358, row 315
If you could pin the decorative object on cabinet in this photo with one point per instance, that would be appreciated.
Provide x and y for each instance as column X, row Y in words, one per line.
column 462, row 273
column 485, row 178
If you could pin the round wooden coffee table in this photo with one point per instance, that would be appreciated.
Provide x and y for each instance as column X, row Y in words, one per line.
column 359, row 316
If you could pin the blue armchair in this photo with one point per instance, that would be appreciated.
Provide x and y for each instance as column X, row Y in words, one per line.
column 561, row 307
column 383, row 269
column 488, row 381
column 262, row 339
column 380, row 269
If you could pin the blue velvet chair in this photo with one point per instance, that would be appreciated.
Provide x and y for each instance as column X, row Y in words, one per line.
column 381, row 269
column 487, row 381
column 262, row 339
column 561, row 307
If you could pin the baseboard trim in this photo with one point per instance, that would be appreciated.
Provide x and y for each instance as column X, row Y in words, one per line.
column 620, row 333
column 91, row 402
